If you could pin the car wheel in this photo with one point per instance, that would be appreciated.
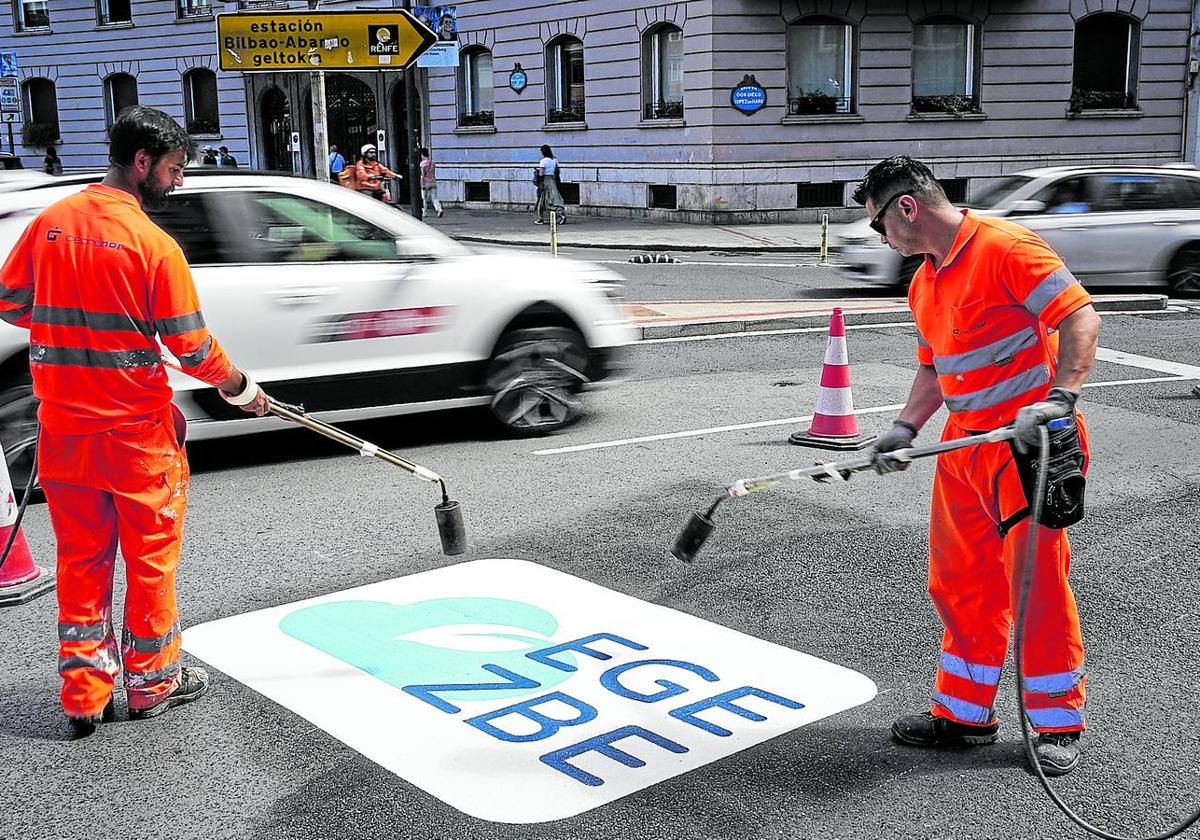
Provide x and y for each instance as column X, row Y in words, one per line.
column 535, row 378
column 18, row 431
column 908, row 267
column 1183, row 277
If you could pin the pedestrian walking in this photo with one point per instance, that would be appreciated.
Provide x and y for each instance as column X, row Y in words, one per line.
column 110, row 455
column 336, row 164
column 209, row 158
column 369, row 174
column 52, row 163
column 226, row 160
column 429, row 182
column 1005, row 334
column 549, row 199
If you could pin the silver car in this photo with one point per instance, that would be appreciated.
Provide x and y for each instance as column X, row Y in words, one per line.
column 1112, row 225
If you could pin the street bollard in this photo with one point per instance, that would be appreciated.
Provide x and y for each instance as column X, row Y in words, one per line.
column 824, row 239
column 553, row 232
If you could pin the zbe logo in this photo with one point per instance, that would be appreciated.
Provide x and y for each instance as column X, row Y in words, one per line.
column 520, row 694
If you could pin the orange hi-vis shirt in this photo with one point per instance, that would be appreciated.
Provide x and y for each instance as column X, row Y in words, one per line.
column 94, row 280
column 987, row 319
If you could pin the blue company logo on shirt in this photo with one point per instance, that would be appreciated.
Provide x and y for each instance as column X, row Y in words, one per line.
column 452, row 652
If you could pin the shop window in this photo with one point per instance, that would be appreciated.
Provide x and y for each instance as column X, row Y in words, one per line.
column 200, row 108
column 564, row 81
column 945, row 66
column 476, row 97
column 120, row 92
column 662, row 73
column 1106, row 63
column 820, row 65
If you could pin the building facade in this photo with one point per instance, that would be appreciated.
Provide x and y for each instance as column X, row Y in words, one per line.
column 706, row 110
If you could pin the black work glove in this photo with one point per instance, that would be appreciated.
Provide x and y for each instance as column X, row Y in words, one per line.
column 900, row 436
column 1058, row 403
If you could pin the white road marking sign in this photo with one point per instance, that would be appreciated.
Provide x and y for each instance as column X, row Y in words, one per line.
column 519, row 694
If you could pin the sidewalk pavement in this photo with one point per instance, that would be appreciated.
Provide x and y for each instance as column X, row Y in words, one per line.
column 517, row 228
column 679, row 319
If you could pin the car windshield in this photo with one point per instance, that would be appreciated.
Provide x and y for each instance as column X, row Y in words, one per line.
column 998, row 192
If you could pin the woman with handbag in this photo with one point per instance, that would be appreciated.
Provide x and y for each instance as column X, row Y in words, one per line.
column 549, row 198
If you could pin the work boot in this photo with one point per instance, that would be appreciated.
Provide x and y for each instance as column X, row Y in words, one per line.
column 84, row 725
column 1057, row 752
column 193, row 682
column 927, row 730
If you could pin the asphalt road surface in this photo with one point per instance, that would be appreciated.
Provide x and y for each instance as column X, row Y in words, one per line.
column 835, row 571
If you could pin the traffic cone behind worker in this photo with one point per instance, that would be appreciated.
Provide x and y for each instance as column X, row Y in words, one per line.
column 369, row 174
column 21, row 580
column 98, row 285
column 834, row 425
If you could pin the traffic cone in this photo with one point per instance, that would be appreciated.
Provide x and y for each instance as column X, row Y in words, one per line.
column 20, row 579
column 834, row 425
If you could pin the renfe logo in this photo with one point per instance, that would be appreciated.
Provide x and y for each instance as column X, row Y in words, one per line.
column 519, row 694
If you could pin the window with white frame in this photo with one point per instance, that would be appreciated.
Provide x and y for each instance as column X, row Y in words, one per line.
column 120, row 92
column 662, row 72
column 476, row 97
column 113, row 11
column 31, row 14
column 39, row 100
column 201, row 112
column 820, row 65
column 945, row 66
column 194, row 8
column 1107, row 48
column 564, row 81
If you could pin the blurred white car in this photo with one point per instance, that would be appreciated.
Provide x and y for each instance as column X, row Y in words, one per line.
column 1112, row 225
column 353, row 309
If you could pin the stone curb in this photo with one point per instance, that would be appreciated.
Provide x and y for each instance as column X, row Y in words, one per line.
column 639, row 246
column 1138, row 303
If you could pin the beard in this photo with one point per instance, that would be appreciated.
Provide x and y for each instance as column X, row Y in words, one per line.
column 154, row 197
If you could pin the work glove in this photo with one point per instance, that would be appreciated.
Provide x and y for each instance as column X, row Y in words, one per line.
column 900, row 436
column 1058, row 403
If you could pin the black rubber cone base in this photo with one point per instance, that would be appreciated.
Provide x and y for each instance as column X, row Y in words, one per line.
column 691, row 539
column 23, row 593
column 451, row 528
column 848, row 444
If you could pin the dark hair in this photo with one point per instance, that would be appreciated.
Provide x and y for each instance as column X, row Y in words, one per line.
column 547, row 152
column 899, row 175
column 424, row 150
column 222, row 148
column 139, row 127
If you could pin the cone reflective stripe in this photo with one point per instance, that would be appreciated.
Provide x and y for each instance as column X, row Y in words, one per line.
column 20, row 579
column 834, row 424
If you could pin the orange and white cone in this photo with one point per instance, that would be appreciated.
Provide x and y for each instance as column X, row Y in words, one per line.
column 20, row 579
column 834, row 425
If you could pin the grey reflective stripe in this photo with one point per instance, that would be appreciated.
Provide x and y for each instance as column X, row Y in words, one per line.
column 180, row 324
column 68, row 632
column 1001, row 391
column 153, row 644
column 193, row 359
column 14, row 315
column 1048, row 290
column 986, row 355
column 921, row 342
column 70, row 316
column 135, row 679
column 101, row 661
column 20, row 297
column 87, row 357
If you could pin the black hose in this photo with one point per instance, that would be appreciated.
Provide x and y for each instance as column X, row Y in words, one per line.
column 12, row 534
column 1035, row 516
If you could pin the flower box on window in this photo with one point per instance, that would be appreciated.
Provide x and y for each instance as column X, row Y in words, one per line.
column 817, row 102
column 39, row 134
column 1083, row 99
column 203, row 127
column 948, row 104
column 466, row 120
column 565, row 115
column 664, row 110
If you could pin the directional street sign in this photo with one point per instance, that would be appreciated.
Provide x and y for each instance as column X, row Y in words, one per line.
column 387, row 39
column 10, row 95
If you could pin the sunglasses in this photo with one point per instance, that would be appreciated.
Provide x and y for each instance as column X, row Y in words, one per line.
column 877, row 223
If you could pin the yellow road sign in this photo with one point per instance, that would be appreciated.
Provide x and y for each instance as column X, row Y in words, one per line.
column 388, row 39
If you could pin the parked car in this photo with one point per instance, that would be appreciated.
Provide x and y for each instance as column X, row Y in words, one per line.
column 1112, row 225
column 353, row 309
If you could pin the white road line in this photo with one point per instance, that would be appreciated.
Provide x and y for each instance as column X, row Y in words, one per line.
column 697, row 432
column 701, row 262
column 789, row 331
column 1120, row 357
column 1113, row 382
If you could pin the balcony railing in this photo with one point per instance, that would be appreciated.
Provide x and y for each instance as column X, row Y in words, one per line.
column 818, row 103
column 573, row 113
column 668, row 110
column 947, row 104
column 476, row 118
column 1085, row 99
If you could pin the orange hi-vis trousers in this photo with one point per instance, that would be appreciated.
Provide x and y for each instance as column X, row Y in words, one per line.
column 125, row 486
column 975, row 583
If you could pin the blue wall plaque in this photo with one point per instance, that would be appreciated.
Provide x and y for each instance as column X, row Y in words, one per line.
column 749, row 96
column 517, row 80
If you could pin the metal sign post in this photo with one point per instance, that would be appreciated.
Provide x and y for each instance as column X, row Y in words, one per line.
column 10, row 106
column 416, row 198
column 320, row 134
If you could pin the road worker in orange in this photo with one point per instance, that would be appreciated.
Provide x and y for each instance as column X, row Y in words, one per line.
column 1006, row 335
column 98, row 284
column 369, row 174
